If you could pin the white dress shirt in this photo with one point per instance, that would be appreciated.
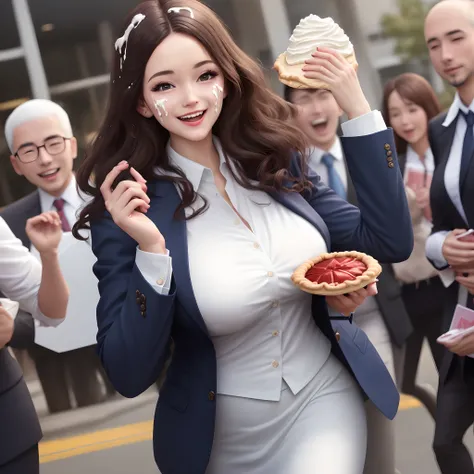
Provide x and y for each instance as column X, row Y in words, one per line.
column 434, row 244
column 73, row 201
column 260, row 323
column 413, row 162
column 20, row 275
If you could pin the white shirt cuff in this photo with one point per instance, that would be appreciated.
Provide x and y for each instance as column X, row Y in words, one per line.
column 447, row 277
column 366, row 124
column 434, row 248
column 156, row 269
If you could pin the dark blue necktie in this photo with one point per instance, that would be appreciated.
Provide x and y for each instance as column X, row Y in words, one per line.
column 335, row 181
column 467, row 147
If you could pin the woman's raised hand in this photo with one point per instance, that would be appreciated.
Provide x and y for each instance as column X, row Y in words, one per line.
column 128, row 204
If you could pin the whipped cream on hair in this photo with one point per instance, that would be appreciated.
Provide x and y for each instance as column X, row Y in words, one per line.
column 178, row 10
column 312, row 32
column 121, row 43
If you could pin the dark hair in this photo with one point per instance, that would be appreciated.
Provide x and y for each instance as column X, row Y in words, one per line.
column 256, row 127
column 412, row 88
column 287, row 92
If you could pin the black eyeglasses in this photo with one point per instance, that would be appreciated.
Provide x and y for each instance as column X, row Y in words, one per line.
column 29, row 152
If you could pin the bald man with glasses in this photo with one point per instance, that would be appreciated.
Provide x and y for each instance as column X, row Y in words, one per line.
column 43, row 150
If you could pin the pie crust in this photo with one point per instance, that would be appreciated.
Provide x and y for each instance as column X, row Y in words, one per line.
column 336, row 273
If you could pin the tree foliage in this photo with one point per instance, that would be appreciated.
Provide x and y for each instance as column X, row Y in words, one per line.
column 406, row 27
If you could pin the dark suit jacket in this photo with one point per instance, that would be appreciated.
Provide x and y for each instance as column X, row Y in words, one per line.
column 136, row 323
column 445, row 215
column 16, row 215
column 19, row 426
column 389, row 297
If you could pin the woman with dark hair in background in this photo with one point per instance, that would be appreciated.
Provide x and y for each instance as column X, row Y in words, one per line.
column 202, row 216
column 409, row 104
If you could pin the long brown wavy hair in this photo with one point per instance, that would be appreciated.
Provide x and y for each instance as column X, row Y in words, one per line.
column 412, row 88
column 256, row 127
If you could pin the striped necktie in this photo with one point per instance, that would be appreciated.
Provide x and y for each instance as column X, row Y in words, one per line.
column 59, row 205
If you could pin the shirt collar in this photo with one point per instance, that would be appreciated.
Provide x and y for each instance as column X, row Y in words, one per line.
column 316, row 154
column 195, row 172
column 453, row 111
column 70, row 196
column 411, row 155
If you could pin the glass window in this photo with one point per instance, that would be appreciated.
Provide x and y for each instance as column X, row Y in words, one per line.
column 14, row 89
column 9, row 37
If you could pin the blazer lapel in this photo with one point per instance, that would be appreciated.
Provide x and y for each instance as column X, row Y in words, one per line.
column 445, row 141
column 351, row 192
column 164, row 202
column 298, row 204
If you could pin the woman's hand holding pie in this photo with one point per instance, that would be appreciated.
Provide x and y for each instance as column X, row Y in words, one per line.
column 347, row 304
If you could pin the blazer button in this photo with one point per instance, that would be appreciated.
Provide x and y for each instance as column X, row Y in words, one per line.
column 142, row 298
column 387, row 146
column 391, row 164
column 211, row 395
column 137, row 293
column 389, row 158
column 338, row 336
column 389, row 153
column 143, row 313
column 142, row 307
column 139, row 301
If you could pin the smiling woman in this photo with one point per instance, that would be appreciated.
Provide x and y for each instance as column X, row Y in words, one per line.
column 202, row 210
column 203, row 69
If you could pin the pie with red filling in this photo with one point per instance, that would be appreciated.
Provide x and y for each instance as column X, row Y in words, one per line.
column 336, row 273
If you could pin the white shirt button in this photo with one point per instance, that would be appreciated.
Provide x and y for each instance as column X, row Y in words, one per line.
column 275, row 304
column 275, row 364
column 256, row 245
column 160, row 281
column 275, row 333
column 270, row 274
column 237, row 222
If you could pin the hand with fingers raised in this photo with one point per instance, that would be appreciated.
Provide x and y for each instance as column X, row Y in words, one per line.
column 44, row 232
column 128, row 204
column 330, row 67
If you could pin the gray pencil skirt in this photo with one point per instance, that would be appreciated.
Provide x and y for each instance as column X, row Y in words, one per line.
column 321, row 430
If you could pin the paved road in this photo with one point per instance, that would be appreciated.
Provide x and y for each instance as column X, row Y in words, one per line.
column 121, row 442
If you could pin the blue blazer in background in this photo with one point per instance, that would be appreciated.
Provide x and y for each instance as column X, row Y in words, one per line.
column 136, row 324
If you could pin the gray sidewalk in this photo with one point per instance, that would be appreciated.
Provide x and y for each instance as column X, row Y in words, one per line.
column 84, row 419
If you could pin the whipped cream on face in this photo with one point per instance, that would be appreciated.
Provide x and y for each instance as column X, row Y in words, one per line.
column 161, row 108
column 314, row 31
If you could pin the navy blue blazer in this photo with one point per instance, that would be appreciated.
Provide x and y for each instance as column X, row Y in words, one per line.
column 136, row 324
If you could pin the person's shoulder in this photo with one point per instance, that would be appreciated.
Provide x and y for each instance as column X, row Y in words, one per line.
column 18, row 208
column 437, row 122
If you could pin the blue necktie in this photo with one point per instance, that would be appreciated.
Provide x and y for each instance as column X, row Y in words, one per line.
column 335, row 181
column 467, row 147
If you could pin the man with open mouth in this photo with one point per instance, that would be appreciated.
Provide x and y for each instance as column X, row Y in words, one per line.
column 382, row 317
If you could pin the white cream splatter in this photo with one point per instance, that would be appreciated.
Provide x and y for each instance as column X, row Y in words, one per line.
column 161, row 108
column 121, row 42
column 216, row 90
column 178, row 9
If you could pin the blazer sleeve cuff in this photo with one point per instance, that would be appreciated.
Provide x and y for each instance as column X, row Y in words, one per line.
column 366, row 124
